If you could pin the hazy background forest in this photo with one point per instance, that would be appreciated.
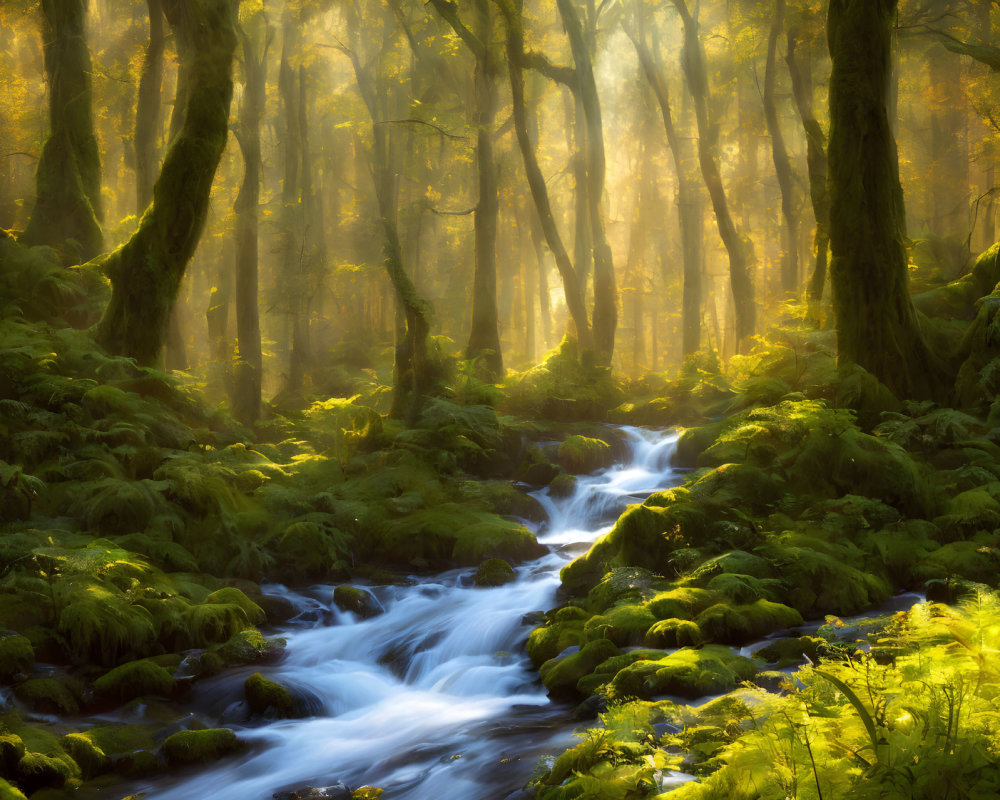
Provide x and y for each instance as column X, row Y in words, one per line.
column 324, row 297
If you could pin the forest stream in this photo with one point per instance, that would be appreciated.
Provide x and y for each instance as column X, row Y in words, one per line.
column 434, row 697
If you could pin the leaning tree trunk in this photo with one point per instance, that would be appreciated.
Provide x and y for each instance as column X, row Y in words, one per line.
column 146, row 271
column 693, row 58
column 572, row 286
column 876, row 323
column 689, row 216
column 605, row 320
column 816, row 164
column 147, row 112
column 249, row 365
column 67, row 210
column 779, row 155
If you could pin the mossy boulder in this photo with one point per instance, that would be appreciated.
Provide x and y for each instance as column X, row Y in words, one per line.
column 49, row 695
column 549, row 641
column 563, row 485
column 90, row 758
column 134, row 679
column 500, row 539
column 250, row 647
column 16, row 655
column 743, row 623
column 10, row 792
column 265, row 696
column 786, row 652
column 494, row 572
column 625, row 625
column 737, row 562
column 230, row 595
column 684, row 602
column 972, row 560
column 358, row 601
column 634, row 584
column 37, row 771
column 192, row 747
column 12, row 749
column 689, row 673
column 581, row 454
column 560, row 675
column 738, row 588
column 670, row 633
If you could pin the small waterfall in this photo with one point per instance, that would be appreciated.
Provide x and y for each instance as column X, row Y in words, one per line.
column 434, row 697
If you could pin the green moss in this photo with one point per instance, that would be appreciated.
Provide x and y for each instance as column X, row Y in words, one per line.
column 681, row 603
column 670, row 633
column 48, row 695
column 366, row 793
column 970, row 511
column 500, row 540
column 494, row 572
column 560, row 675
column 624, row 625
column 743, row 623
column 11, row 751
column 624, row 583
column 689, row 673
column 970, row 560
column 250, row 647
column 90, row 758
column 134, row 679
column 309, row 549
column 785, row 652
column 264, row 695
column 547, row 642
column 115, row 740
column 580, row 454
column 563, row 485
column 39, row 771
column 16, row 655
column 101, row 624
column 209, row 623
column 233, row 596
column 738, row 588
column 9, row 792
column 190, row 747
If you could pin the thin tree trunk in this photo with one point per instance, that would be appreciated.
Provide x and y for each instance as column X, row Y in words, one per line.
column 147, row 113
column 68, row 211
column 605, row 288
column 571, row 283
column 146, row 271
column 737, row 247
column 779, row 154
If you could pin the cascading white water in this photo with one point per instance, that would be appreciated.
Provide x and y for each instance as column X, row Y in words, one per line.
column 434, row 697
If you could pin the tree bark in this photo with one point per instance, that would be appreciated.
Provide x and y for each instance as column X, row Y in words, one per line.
column 68, row 211
column 146, row 271
column 605, row 320
column 147, row 113
column 249, row 365
column 876, row 323
column 693, row 62
column 816, row 164
column 571, row 283
column 689, row 217
column 779, row 155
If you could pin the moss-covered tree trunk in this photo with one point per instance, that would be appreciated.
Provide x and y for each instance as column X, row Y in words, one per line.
column 779, row 155
column 605, row 317
column 876, row 323
column 816, row 165
column 67, row 212
column 146, row 271
column 572, row 286
column 255, row 37
column 695, row 71
column 147, row 112
column 484, row 330
column 689, row 214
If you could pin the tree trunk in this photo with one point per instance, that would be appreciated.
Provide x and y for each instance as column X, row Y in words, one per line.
column 571, row 283
column 605, row 289
column 816, row 163
column 876, row 322
column 249, row 365
column 693, row 58
column 147, row 113
column 689, row 215
column 67, row 212
column 782, row 164
column 146, row 271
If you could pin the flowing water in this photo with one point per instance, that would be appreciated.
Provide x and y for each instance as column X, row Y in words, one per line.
column 434, row 698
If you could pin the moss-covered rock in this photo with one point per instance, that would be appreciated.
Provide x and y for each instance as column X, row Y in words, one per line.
column 134, row 679
column 264, row 696
column 560, row 675
column 681, row 603
column 90, row 758
column 37, row 771
column 742, row 623
column 9, row 792
column 191, row 747
column 16, row 655
column 687, row 672
column 230, row 595
column 785, row 652
column 494, row 572
column 357, row 600
column 670, row 633
column 250, row 647
column 48, row 695
column 633, row 584
column 500, row 539
column 581, row 454
column 970, row 560
column 624, row 625
column 549, row 641
column 12, row 749
column 563, row 485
